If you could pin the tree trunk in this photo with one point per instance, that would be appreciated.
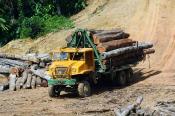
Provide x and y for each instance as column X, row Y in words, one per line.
column 33, row 83
column 18, row 86
column 111, row 45
column 24, row 78
column 120, row 51
column 38, row 81
column 12, row 82
column 105, row 38
column 29, row 79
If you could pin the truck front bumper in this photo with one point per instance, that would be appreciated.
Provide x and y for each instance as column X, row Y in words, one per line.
column 65, row 82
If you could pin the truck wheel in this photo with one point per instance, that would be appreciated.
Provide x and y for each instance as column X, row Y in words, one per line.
column 114, row 78
column 129, row 75
column 122, row 78
column 84, row 89
column 53, row 92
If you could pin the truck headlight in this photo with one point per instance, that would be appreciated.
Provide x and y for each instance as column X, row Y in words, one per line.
column 74, row 70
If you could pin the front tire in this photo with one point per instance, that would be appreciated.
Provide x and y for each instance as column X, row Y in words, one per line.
column 53, row 91
column 84, row 89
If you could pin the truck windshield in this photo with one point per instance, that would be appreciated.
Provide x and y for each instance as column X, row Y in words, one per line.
column 63, row 56
column 77, row 56
column 60, row 56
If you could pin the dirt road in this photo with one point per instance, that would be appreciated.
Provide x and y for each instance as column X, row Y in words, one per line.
column 153, row 85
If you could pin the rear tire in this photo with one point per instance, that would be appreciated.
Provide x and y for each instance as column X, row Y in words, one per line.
column 53, row 92
column 129, row 75
column 122, row 78
column 84, row 89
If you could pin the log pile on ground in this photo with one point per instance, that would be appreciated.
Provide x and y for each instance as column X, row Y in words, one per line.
column 117, row 48
column 161, row 109
column 26, row 72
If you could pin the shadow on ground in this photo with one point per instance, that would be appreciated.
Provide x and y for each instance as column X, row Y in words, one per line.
column 106, row 85
column 139, row 75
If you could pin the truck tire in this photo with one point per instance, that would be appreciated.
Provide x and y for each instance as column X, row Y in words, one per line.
column 84, row 89
column 53, row 92
column 114, row 78
column 122, row 78
column 129, row 75
column 92, row 78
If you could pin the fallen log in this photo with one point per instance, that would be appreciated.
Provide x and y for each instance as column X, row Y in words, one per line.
column 34, row 58
column 18, row 57
column 105, row 38
column 38, row 81
column 13, row 63
column 12, row 82
column 111, row 45
column 44, row 83
column 93, row 31
column 29, row 79
column 129, row 108
column 40, row 72
column 4, row 86
column 24, row 78
column 149, row 51
column 25, row 86
column 18, row 86
column 120, row 51
column 4, row 70
column 33, row 83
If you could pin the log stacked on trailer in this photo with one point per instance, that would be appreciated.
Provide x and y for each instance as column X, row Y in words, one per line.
column 108, row 35
column 111, row 45
column 116, row 48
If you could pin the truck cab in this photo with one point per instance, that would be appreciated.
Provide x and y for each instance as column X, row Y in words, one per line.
column 70, row 69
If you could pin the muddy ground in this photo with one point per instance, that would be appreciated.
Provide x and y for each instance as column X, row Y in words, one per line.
column 153, row 85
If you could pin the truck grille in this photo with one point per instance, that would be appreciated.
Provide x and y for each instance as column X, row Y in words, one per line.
column 61, row 70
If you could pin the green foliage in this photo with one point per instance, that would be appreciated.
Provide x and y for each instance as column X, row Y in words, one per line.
column 39, row 10
column 71, row 7
column 36, row 26
column 31, row 27
column 33, row 18
column 55, row 23
column 3, row 27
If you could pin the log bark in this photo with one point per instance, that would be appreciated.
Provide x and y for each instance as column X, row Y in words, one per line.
column 29, row 79
column 18, row 86
column 93, row 31
column 13, row 63
column 33, row 83
column 25, row 85
column 115, row 44
column 38, row 81
column 120, row 51
column 105, row 38
column 149, row 51
column 118, row 60
column 4, row 86
column 24, row 78
column 4, row 70
column 44, row 83
column 34, row 58
column 18, row 57
column 40, row 72
column 12, row 82
column 129, row 108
